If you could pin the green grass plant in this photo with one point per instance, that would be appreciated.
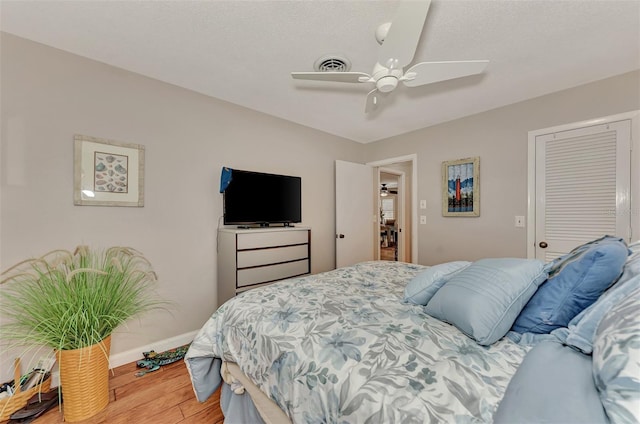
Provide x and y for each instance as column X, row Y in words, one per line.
column 73, row 300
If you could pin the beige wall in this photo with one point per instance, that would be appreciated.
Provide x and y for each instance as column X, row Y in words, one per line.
column 49, row 95
column 499, row 137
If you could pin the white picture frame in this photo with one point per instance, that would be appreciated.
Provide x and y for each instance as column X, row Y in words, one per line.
column 461, row 187
column 107, row 172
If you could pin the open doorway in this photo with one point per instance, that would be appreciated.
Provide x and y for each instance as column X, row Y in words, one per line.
column 390, row 205
column 403, row 232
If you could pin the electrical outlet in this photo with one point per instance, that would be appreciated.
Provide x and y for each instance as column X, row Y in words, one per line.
column 423, row 219
column 423, row 204
column 519, row 221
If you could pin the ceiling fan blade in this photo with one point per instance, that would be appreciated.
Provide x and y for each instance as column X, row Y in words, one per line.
column 399, row 46
column 374, row 98
column 332, row 76
column 430, row 72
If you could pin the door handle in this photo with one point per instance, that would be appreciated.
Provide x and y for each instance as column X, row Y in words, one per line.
column 543, row 245
column 339, row 235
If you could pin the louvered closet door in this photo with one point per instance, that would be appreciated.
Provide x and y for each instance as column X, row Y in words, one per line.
column 582, row 187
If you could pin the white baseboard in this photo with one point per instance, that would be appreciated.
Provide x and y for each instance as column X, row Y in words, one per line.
column 132, row 355
column 159, row 346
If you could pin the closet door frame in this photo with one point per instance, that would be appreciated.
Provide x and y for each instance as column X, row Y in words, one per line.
column 634, row 210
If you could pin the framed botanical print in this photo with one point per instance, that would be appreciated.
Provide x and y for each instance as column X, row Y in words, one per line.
column 107, row 172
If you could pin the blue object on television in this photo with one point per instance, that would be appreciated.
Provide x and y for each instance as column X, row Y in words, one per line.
column 258, row 198
column 225, row 178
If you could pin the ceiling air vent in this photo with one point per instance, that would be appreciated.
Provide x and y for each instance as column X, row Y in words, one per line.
column 332, row 63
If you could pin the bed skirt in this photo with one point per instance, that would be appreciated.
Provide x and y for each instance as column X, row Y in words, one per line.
column 243, row 402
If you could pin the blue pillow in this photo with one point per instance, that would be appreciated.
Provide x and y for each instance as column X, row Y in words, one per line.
column 554, row 384
column 580, row 278
column 424, row 285
column 485, row 298
column 582, row 328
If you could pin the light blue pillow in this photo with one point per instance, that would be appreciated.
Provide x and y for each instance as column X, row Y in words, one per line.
column 582, row 328
column 632, row 264
column 580, row 278
column 485, row 298
column 554, row 384
column 424, row 285
column 616, row 368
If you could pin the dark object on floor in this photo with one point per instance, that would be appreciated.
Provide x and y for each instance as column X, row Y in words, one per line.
column 36, row 406
column 23, row 421
column 153, row 361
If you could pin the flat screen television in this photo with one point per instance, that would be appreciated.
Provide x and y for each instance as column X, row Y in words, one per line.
column 252, row 198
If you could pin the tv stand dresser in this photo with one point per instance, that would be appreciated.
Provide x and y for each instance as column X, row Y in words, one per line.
column 255, row 257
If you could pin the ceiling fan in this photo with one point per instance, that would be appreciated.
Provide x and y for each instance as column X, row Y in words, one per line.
column 399, row 40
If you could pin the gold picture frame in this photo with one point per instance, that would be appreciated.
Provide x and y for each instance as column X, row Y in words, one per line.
column 107, row 172
column 461, row 187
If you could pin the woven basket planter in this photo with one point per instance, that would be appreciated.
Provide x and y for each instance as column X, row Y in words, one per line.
column 12, row 404
column 84, row 379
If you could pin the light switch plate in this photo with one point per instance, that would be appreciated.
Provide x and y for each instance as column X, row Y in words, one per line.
column 423, row 219
column 519, row 221
column 423, row 204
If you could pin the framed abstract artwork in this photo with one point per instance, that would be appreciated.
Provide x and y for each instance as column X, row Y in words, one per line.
column 461, row 187
column 107, row 172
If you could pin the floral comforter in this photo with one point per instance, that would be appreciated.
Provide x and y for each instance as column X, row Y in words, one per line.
column 341, row 347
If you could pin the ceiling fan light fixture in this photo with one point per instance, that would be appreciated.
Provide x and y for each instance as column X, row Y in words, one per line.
column 387, row 84
column 384, row 191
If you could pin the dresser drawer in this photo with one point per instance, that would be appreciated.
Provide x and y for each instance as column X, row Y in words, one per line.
column 259, row 240
column 247, row 277
column 249, row 258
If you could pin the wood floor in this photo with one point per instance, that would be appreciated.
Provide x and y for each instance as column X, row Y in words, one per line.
column 387, row 253
column 161, row 397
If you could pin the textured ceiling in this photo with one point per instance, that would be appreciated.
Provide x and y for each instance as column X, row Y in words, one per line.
column 243, row 51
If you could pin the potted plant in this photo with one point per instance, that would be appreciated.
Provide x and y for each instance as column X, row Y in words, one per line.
column 72, row 302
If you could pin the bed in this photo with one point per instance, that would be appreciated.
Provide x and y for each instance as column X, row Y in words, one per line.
column 342, row 346
column 498, row 340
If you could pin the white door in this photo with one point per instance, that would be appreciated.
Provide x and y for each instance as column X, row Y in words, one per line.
column 582, row 187
column 354, row 218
